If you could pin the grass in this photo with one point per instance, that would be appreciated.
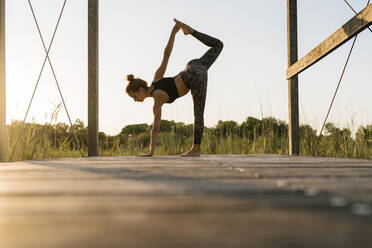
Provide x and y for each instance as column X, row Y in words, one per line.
column 253, row 136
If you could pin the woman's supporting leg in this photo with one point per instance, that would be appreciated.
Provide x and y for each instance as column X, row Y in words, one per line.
column 199, row 96
column 197, row 76
column 216, row 47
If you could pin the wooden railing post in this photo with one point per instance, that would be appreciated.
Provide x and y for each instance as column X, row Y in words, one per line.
column 347, row 31
column 2, row 84
column 293, row 131
column 93, row 117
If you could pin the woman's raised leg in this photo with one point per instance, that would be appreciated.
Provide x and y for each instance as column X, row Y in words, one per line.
column 216, row 47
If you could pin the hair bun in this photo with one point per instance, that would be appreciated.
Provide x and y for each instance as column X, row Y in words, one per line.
column 130, row 77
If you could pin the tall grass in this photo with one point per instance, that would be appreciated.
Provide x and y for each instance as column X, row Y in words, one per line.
column 253, row 136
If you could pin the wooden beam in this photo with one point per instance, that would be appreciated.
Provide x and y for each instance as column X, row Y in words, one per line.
column 293, row 127
column 93, row 77
column 354, row 26
column 3, row 145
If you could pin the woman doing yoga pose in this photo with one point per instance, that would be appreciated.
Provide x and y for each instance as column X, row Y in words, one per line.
column 167, row 89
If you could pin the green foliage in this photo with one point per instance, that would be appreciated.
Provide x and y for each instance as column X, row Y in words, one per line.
column 363, row 141
column 337, row 142
column 364, row 135
column 226, row 128
column 308, row 139
column 269, row 135
column 250, row 128
column 136, row 129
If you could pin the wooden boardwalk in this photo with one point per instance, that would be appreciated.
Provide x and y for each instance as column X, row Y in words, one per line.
column 211, row 201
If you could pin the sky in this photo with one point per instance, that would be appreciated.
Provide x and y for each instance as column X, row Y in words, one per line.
column 248, row 78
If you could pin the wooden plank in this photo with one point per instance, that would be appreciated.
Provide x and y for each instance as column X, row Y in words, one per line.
column 2, row 84
column 354, row 26
column 93, row 77
column 293, row 131
column 170, row 202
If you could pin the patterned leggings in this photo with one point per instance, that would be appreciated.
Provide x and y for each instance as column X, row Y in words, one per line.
column 195, row 76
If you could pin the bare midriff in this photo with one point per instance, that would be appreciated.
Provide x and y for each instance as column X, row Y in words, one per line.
column 181, row 87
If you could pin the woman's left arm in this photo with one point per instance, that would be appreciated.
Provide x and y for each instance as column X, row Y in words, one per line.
column 155, row 126
column 167, row 52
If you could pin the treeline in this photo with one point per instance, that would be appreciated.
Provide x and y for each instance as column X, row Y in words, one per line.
column 268, row 135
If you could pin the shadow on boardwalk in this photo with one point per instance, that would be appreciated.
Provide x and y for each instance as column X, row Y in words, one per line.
column 219, row 201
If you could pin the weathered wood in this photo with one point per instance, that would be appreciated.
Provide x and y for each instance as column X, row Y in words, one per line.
column 93, row 70
column 2, row 84
column 342, row 35
column 293, row 131
column 196, row 202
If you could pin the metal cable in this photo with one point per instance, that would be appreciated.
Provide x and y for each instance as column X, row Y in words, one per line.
column 355, row 11
column 41, row 71
column 339, row 82
column 54, row 75
column 38, row 80
column 334, row 95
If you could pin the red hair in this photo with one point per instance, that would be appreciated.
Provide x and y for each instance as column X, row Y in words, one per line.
column 135, row 84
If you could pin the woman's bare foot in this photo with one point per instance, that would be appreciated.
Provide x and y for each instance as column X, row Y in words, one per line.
column 185, row 28
column 190, row 153
column 193, row 152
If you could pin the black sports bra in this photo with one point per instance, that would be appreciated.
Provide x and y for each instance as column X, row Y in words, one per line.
column 168, row 85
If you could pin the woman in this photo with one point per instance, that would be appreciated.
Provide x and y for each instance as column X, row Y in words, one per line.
column 168, row 89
